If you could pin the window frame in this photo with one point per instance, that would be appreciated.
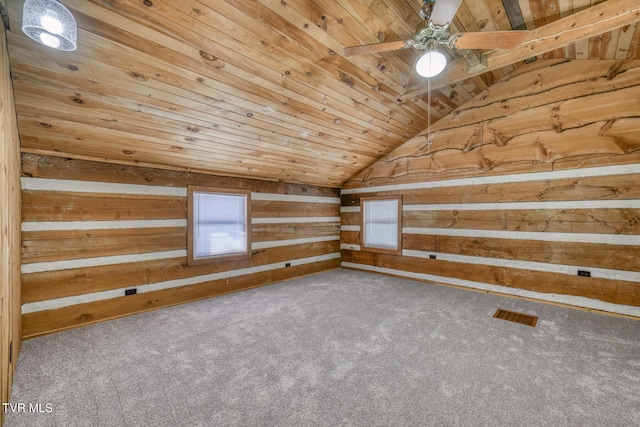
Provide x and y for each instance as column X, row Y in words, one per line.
column 193, row 261
column 363, row 225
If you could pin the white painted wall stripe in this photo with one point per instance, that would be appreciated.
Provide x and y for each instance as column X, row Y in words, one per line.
column 345, row 209
column 289, row 242
column 296, row 220
column 38, row 267
column 102, row 225
column 572, row 270
column 545, row 236
column 350, row 246
column 294, row 198
column 45, row 184
column 503, row 206
column 499, row 179
column 153, row 223
column 115, row 293
column 557, row 298
column 605, row 239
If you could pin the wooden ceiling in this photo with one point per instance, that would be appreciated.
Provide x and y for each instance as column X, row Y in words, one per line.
column 260, row 88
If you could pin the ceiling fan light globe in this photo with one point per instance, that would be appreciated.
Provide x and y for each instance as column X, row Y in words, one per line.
column 51, row 23
column 49, row 40
column 431, row 63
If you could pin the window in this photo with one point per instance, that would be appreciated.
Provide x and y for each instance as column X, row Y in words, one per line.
column 381, row 224
column 219, row 225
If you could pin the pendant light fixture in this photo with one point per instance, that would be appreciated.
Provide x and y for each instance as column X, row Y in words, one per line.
column 50, row 23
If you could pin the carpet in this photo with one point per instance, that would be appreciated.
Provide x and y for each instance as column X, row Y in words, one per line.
column 338, row 348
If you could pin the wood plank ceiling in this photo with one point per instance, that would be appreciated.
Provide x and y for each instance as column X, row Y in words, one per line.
column 253, row 88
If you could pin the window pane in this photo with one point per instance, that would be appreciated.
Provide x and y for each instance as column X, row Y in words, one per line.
column 381, row 224
column 219, row 226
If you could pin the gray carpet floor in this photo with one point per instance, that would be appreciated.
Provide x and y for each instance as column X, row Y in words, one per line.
column 338, row 348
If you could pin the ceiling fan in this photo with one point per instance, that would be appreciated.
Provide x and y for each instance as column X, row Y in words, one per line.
column 437, row 16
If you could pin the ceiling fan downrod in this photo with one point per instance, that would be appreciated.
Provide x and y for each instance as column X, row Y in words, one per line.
column 427, row 8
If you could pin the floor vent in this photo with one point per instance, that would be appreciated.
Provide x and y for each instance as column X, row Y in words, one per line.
column 512, row 316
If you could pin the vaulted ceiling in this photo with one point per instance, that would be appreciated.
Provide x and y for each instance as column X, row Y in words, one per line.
column 261, row 88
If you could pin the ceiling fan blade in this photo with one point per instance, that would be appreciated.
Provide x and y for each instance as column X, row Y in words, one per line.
column 490, row 39
column 444, row 11
column 377, row 47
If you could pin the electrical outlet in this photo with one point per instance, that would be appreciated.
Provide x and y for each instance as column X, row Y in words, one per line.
column 584, row 273
column 288, row 264
column 131, row 291
column 432, row 257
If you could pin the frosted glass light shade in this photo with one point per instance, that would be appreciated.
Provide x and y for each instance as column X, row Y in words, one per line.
column 50, row 23
column 431, row 63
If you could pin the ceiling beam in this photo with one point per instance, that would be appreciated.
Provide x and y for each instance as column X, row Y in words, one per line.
column 591, row 22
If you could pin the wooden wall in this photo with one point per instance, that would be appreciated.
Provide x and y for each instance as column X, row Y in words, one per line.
column 91, row 230
column 534, row 179
column 9, row 228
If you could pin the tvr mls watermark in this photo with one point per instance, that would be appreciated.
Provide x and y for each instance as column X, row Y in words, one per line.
column 28, row 408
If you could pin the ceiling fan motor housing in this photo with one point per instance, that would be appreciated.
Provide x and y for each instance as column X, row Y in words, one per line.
column 430, row 36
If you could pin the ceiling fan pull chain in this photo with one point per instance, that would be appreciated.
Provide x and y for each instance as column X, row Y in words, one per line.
column 429, row 137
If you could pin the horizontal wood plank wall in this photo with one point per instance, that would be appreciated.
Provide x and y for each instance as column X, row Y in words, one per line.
column 527, row 184
column 91, row 230
column 9, row 227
